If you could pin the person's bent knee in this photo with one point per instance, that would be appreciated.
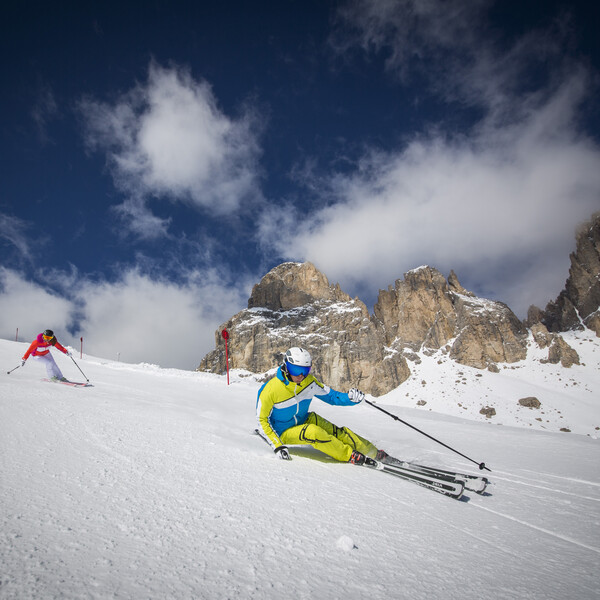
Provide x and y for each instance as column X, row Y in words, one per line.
column 313, row 433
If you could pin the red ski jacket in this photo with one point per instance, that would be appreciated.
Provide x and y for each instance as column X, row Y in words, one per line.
column 40, row 347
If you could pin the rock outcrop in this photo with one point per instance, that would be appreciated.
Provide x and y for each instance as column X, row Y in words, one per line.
column 530, row 402
column 292, row 285
column 417, row 310
column 559, row 351
column 577, row 305
column 563, row 353
column 294, row 305
column 426, row 311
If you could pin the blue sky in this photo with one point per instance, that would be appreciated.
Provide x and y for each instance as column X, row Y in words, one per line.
column 158, row 158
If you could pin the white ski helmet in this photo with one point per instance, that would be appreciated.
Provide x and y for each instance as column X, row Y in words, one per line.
column 298, row 361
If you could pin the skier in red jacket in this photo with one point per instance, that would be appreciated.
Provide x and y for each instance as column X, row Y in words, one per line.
column 40, row 350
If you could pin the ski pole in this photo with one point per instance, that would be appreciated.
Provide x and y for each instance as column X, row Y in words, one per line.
column 9, row 372
column 481, row 465
column 80, row 369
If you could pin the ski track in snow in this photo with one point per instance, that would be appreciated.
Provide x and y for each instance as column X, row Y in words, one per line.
column 546, row 531
column 151, row 484
column 571, row 479
column 552, row 489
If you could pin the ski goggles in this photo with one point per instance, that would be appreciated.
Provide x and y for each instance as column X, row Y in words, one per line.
column 295, row 370
column 48, row 337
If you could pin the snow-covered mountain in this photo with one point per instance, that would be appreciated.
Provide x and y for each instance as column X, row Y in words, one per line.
column 151, row 484
column 569, row 398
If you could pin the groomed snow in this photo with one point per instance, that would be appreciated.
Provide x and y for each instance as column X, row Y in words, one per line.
column 150, row 484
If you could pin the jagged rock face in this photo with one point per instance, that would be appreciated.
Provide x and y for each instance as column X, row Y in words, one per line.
column 541, row 335
column 425, row 310
column 293, row 284
column 534, row 316
column 581, row 297
column 593, row 322
column 488, row 332
column 559, row 351
column 347, row 346
column 294, row 305
column 419, row 308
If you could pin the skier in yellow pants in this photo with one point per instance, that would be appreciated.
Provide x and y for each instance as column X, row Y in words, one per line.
column 282, row 410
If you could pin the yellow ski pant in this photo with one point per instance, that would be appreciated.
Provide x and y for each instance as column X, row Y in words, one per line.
column 337, row 442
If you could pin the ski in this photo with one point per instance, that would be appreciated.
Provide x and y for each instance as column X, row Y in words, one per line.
column 437, row 482
column 71, row 383
column 474, row 483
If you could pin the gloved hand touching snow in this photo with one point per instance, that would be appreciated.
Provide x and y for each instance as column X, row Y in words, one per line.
column 282, row 452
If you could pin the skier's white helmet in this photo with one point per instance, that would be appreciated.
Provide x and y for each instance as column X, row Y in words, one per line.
column 298, row 361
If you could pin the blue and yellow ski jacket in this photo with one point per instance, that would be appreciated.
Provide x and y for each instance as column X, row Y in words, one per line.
column 282, row 404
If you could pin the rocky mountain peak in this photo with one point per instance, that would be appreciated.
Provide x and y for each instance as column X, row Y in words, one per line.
column 295, row 305
column 291, row 285
column 577, row 305
column 426, row 311
column 415, row 305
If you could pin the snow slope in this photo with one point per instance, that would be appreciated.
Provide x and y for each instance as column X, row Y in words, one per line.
column 151, row 485
column 570, row 398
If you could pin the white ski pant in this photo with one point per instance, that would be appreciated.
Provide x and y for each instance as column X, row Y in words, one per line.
column 51, row 366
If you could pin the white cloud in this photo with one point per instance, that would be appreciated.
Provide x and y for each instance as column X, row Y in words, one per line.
column 500, row 210
column 498, row 203
column 412, row 31
column 30, row 308
column 44, row 111
column 136, row 318
column 169, row 139
column 454, row 49
column 149, row 320
column 13, row 230
column 140, row 220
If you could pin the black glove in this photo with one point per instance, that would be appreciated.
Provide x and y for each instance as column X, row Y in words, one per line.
column 282, row 452
column 23, row 361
